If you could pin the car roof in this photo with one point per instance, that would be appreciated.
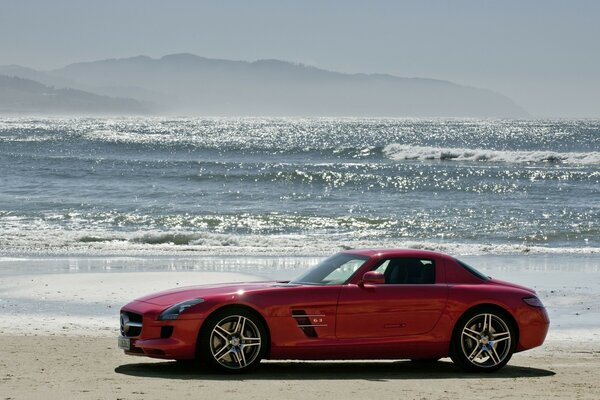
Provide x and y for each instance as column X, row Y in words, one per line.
column 396, row 253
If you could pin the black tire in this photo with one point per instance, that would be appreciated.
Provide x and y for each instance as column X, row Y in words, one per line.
column 233, row 340
column 484, row 340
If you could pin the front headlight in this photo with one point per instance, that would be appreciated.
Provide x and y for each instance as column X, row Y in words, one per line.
column 533, row 301
column 174, row 311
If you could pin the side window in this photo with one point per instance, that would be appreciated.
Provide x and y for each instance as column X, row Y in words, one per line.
column 407, row 271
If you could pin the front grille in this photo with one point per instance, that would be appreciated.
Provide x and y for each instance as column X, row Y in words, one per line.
column 131, row 324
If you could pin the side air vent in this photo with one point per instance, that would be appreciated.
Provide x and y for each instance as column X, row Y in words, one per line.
column 307, row 322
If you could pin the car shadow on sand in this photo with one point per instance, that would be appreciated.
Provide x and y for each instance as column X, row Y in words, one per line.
column 371, row 371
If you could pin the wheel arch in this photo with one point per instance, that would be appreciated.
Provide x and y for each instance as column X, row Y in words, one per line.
column 238, row 306
column 457, row 350
column 502, row 310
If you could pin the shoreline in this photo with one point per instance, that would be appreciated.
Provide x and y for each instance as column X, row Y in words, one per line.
column 280, row 246
column 14, row 264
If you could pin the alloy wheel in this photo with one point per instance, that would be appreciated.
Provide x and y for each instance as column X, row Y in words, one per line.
column 235, row 342
column 486, row 341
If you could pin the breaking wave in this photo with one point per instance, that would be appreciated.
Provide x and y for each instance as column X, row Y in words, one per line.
column 397, row 151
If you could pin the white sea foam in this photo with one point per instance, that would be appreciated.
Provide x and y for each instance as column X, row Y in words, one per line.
column 408, row 152
column 101, row 243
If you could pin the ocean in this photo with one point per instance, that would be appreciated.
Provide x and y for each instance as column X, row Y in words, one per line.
column 276, row 186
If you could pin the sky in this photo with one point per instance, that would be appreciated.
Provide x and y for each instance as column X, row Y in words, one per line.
column 544, row 54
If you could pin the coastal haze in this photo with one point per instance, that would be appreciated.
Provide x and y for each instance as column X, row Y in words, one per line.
column 147, row 145
column 191, row 85
column 539, row 54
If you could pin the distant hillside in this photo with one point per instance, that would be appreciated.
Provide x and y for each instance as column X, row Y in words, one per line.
column 193, row 85
column 24, row 96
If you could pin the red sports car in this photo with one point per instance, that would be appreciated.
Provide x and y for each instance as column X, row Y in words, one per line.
column 359, row 304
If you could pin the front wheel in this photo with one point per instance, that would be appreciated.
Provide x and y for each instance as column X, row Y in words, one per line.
column 484, row 340
column 232, row 340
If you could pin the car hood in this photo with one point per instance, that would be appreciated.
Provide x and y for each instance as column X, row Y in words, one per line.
column 512, row 285
column 177, row 295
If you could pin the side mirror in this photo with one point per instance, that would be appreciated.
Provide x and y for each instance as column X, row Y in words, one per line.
column 373, row 277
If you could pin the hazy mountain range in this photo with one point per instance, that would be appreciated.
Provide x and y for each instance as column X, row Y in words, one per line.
column 19, row 96
column 185, row 84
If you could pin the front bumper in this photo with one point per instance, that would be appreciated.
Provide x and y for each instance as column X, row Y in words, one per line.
column 175, row 339
column 172, row 349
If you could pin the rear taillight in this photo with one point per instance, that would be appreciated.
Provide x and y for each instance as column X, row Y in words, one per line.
column 533, row 301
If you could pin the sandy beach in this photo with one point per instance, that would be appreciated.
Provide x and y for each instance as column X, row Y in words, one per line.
column 59, row 323
column 43, row 367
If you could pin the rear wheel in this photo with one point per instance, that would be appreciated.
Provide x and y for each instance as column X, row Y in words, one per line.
column 484, row 340
column 232, row 340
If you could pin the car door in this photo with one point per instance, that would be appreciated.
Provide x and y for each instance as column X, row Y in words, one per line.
column 409, row 303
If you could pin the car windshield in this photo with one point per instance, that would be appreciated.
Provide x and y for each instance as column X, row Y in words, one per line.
column 335, row 270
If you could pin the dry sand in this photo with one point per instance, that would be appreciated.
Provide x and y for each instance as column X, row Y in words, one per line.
column 46, row 367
